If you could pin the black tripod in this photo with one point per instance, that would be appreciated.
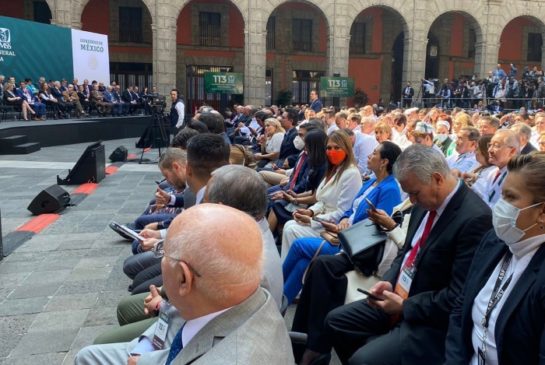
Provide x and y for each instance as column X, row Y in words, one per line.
column 155, row 135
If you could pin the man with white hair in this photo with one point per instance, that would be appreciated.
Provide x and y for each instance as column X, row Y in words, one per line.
column 503, row 145
column 524, row 134
column 219, row 313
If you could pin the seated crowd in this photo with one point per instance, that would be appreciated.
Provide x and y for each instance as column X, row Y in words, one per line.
column 62, row 100
column 254, row 213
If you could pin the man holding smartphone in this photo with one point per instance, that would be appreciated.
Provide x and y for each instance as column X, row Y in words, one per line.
column 409, row 324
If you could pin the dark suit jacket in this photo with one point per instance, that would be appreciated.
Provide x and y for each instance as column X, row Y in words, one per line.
column 520, row 328
column 442, row 267
column 527, row 149
column 126, row 96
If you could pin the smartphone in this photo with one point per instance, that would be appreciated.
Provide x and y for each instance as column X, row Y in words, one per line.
column 370, row 203
column 369, row 295
column 318, row 219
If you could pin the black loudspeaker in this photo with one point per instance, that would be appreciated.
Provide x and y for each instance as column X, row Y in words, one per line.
column 89, row 168
column 51, row 200
column 119, row 154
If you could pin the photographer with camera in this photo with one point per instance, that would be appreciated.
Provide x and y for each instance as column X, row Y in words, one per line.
column 177, row 111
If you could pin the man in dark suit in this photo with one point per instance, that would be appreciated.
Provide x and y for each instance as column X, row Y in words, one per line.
column 524, row 134
column 408, row 323
column 408, row 93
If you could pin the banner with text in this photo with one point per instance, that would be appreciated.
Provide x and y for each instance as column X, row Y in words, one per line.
column 223, row 82
column 31, row 49
column 342, row 87
column 91, row 57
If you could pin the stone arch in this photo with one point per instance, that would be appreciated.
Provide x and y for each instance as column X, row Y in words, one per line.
column 296, row 64
column 355, row 8
column 78, row 6
column 467, row 50
column 533, row 22
column 390, row 52
column 241, row 5
column 324, row 6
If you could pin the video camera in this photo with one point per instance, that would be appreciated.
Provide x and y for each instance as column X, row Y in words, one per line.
column 157, row 103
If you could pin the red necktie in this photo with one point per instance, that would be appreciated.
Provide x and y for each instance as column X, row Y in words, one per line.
column 298, row 168
column 414, row 251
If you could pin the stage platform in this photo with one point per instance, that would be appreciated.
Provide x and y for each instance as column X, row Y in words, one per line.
column 35, row 134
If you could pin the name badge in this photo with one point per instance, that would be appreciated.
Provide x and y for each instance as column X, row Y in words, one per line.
column 403, row 285
column 161, row 330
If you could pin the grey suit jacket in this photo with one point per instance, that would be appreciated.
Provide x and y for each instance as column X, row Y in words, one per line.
column 252, row 332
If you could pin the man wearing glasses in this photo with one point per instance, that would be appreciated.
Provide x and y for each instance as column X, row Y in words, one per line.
column 503, row 145
column 226, row 317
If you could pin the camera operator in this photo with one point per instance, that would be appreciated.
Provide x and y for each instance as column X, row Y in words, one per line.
column 177, row 111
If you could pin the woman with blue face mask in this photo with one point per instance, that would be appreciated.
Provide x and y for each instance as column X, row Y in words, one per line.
column 500, row 318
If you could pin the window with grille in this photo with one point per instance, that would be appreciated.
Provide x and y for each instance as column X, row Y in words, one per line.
column 130, row 24
column 271, row 36
column 535, row 42
column 210, row 29
column 301, row 31
column 471, row 47
column 303, row 81
column 357, row 38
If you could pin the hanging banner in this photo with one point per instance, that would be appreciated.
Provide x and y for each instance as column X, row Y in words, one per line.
column 223, row 82
column 91, row 57
column 31, row 50
column 342, row 87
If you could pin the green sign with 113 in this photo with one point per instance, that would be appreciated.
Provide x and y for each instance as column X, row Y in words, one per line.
column 336, row 87
column 223, row 82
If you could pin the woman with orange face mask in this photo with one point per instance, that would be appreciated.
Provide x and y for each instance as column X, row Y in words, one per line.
column 380, row 192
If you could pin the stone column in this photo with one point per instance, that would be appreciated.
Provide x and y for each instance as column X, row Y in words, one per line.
column 255, row 53
column 61, row 13
column 339, row 38
column 164, row 46
column 414, row 60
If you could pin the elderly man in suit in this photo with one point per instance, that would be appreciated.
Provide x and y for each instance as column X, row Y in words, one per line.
column 407, row 322
column 221, row 314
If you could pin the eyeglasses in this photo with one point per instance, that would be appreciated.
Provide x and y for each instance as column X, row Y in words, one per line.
column 159, row 252
column 495, row 146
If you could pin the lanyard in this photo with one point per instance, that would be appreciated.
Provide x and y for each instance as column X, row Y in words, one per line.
column 498, row 292
column 495, row 297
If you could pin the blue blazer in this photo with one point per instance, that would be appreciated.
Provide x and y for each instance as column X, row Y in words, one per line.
column 385, row 196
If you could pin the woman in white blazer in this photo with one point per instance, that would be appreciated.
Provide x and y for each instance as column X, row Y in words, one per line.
column 334, row 195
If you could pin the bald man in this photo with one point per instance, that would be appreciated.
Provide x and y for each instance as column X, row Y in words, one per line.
column 218, row 314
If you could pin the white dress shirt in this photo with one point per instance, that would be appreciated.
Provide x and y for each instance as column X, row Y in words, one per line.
column 193, row 326
column 523, row 252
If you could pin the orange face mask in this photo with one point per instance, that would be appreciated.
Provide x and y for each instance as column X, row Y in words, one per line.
column 335, row 157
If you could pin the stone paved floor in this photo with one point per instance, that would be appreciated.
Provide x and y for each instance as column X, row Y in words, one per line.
column 60, row 289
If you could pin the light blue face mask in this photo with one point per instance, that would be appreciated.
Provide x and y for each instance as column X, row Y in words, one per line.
column 504, row 220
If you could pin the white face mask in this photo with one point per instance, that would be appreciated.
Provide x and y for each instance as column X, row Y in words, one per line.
column 441, row 138
column 504, row 220
column 299, row 143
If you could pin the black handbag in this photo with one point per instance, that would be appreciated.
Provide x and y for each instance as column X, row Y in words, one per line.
column 363, row 243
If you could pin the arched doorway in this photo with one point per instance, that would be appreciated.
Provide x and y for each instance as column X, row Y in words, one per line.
column 521, row 44
column 452, row 49
column 35, row 10
column 209, row 38
column 128, row 26
column 377, row 40
column 297, row 44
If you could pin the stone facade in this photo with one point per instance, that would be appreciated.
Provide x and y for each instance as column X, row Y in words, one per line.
column 489, row 18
